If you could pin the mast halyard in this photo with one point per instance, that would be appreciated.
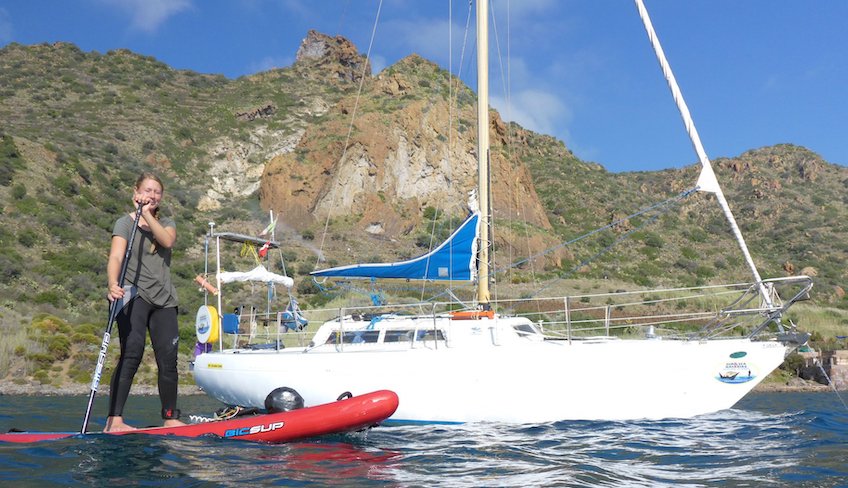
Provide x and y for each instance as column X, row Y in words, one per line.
column 483, row 295
column 707, row 180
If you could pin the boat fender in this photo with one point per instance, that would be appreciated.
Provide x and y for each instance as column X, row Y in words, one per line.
column 207, row 324
column 344, row 396
column 283, row 399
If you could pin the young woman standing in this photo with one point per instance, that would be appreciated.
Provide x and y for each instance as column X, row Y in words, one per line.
column 148, row 300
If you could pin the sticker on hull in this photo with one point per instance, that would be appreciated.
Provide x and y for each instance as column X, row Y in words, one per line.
column 734, row 372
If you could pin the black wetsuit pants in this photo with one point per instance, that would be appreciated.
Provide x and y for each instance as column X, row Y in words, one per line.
column 133, row 323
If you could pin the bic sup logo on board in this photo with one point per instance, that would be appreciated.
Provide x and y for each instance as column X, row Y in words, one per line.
column 256, row 429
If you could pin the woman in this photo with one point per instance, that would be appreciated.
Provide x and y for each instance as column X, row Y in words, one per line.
column 149, row 302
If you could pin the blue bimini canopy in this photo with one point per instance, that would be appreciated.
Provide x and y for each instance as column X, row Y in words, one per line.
column 452, row 260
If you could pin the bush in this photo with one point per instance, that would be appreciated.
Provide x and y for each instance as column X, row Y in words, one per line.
column 66, row 185
column 60, row 347
column 307, row 287
column 19, row 191
column 10, row 160
column 430, row 213
column 50, row 296
column 28, row 237
column 654, row 240
column 27, row 206
column 793, row 363
column 10, row 266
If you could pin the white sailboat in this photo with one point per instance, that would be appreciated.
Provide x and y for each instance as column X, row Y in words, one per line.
column 548, row 359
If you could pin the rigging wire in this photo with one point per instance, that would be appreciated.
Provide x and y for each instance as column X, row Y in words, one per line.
column 664, row 203
column 506, row 82
column 350, row 126
column 449, row 147
column 665, row 206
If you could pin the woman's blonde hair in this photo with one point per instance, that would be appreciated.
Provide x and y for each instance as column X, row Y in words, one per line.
column 146, row 175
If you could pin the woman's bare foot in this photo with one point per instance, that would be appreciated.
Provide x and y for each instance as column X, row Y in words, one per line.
column 116, row 424
column 173, row 423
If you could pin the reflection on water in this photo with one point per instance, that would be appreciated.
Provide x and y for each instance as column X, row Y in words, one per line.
column 767, row 440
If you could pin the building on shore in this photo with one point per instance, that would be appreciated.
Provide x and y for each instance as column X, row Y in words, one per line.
column 834, row 365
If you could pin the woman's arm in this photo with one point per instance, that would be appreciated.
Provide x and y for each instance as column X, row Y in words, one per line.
column 165, row 236
column 113, row 267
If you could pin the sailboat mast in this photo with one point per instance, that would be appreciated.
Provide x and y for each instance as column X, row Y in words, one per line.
column 707, row 181
column 483, row 149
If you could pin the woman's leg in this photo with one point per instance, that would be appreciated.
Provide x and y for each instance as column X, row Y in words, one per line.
column 165, row 338
column 132, row 330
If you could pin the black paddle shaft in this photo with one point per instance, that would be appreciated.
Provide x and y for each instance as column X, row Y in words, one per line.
column 114, row 308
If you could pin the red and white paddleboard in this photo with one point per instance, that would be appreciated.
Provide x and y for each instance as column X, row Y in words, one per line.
column 348, row 415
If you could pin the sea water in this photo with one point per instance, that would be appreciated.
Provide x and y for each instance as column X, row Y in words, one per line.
column 768, row 439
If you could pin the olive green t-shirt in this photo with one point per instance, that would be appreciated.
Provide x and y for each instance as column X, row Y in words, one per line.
column 149, row 272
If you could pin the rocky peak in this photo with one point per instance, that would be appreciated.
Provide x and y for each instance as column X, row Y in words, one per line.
column 335, row 58
column 403, row 156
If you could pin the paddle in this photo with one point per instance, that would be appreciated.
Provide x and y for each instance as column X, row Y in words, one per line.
column 114, row 308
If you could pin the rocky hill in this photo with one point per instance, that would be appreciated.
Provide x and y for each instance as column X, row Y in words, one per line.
column 380, row 160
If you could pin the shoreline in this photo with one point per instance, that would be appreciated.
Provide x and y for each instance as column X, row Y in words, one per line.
column 37, row 389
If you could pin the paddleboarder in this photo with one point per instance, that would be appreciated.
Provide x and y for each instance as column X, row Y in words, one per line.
column 148, row 301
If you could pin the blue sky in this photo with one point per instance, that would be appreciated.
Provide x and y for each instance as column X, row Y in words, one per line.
column 754, row 72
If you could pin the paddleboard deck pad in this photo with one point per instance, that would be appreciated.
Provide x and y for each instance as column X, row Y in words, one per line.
column 348, row 415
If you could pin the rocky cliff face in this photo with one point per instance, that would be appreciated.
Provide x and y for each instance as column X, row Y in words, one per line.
column 403, row 155
column 334, row 59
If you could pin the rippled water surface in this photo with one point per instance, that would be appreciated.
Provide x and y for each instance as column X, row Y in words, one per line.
column 769, row 439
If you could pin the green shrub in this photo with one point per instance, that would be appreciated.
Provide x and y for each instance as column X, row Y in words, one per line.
column 689, row 253
column 654, row 240
column 10, row 160
column 42, row 360
column 11, row 265
column 60, row 347
column 28, row 237
column 50, row 296
column 82, row 338
column 19, row 191
column 42, row 376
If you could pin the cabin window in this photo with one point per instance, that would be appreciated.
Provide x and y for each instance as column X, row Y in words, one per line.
column 425, row 335
column 525, row 329
column 407, row 335
column 398, row 336
column 354, row 337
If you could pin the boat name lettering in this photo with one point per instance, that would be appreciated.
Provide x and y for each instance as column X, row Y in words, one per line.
column 256, row 429
column 215, row 365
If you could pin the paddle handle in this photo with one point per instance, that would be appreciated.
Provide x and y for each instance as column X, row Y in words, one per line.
column 114, row 308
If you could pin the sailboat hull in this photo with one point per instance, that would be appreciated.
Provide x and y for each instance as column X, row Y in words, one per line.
column 537, row 381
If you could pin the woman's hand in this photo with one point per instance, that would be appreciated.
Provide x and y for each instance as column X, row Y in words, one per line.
column 116, row 292
column 147, row 203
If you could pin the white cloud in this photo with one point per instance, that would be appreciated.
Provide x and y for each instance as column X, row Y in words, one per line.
column 298, row 7
column 6, row 29
column 378, row 63
column 536, row 110
column 148, row 15
column 269, row 63
column 426, row 37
